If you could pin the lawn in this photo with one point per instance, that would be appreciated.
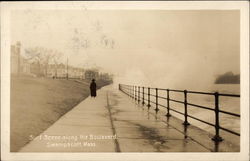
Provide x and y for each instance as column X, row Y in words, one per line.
column 36, row 103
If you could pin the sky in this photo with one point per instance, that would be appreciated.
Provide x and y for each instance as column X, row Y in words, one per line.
column 166, row 48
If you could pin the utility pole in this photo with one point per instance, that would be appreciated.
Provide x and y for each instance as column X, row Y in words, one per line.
column 18, row 52
column 67, row 70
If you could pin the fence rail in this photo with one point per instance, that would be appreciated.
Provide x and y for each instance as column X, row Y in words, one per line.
column 145, row 95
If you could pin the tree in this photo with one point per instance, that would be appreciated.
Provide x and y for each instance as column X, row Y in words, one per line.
column 47, row 58
column 228, row 78
column 56, row 57
column 41, row 56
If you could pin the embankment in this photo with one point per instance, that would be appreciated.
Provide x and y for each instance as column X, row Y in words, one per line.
column 36, row 103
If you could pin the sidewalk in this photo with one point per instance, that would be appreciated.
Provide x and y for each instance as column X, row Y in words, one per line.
column 112, row 122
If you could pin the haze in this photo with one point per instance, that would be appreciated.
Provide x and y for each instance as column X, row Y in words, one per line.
column 173, row 49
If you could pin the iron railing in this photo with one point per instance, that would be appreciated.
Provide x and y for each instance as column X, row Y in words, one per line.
column 138, row 93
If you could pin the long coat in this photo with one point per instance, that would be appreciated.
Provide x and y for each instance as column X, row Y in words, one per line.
column 93, row 89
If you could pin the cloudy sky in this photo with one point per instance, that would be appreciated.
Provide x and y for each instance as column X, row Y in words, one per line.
column 156, row 47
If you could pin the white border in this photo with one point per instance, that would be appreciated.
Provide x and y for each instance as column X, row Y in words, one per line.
column 6, row 8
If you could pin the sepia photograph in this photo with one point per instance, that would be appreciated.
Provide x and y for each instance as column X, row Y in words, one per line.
column 124, row 78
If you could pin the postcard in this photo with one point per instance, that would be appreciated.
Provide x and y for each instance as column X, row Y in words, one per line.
column 146, row 80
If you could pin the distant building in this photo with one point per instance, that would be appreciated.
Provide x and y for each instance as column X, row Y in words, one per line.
column 37, row 69
column 19, row 65
column 57, row 70
column 15, row 58
column 61, row 71
column 105, row 76
column 51, row 70
column 76, row 72
column 91, row 74
column 25, row 66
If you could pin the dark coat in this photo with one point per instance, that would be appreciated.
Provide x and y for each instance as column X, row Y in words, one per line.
column 93, row 89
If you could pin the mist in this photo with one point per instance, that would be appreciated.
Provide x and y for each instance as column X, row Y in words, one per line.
column 164, row 48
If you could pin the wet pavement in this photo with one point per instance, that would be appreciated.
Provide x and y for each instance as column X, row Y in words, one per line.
column 113, row 122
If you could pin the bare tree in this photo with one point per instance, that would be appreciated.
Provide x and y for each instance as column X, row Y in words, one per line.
column 47, row 58
column 35, row 56
column 41, row 56
column 56, row 57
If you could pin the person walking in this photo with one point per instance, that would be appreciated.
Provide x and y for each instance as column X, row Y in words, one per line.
column 93, row 88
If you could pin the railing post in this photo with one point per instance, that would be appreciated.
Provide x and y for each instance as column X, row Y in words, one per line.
column 128, row 90
column 156, row 100
column 135, row 93
column 185, row 106
column 143, row 96
column 217, row 137
column 138, row 94
column 129, row 87
column 119, row 86
column 149, row 97
column 132, row 92
column 168, row 106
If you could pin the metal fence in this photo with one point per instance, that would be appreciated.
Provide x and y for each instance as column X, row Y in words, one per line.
column 145, row 96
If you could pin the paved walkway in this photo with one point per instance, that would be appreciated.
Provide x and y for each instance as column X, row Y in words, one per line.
column 112, row 122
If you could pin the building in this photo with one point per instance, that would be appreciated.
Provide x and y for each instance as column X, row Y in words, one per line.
column 57, row 70
column 105, row 76
column 91, row 74
column 61, row 71
column 15, row 58
column 19, row 65
column 37, row 69
column 25, row 66
column 75, row 72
